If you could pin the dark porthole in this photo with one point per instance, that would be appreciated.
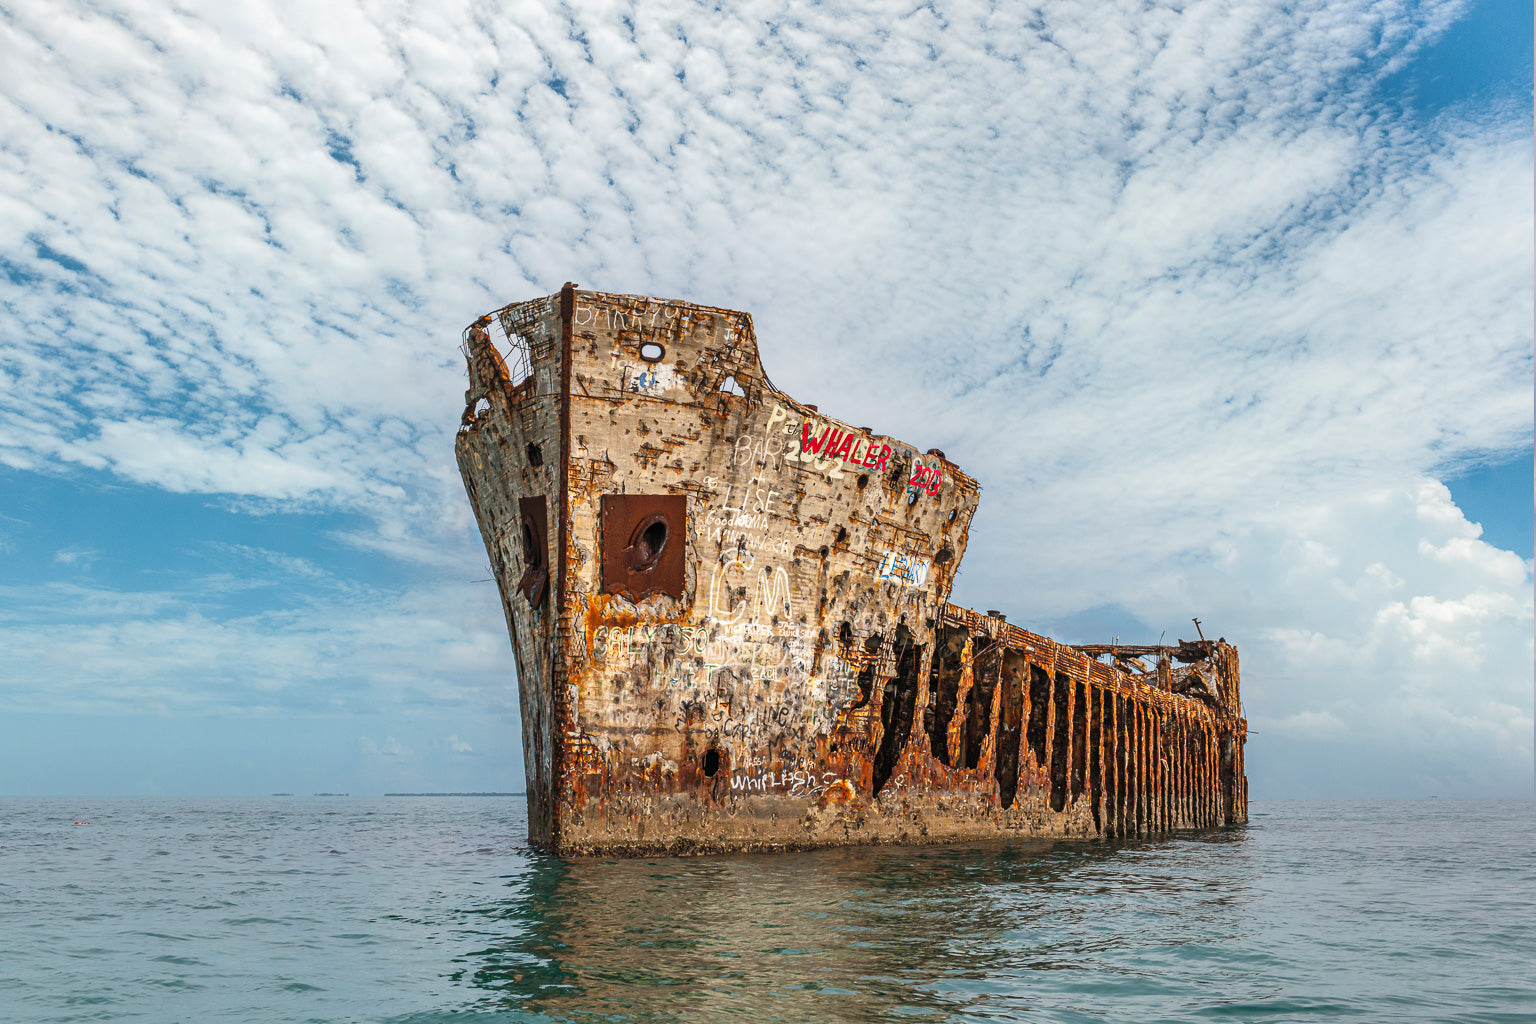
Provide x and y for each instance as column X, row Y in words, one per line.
column 711, row 762
column 649, row 542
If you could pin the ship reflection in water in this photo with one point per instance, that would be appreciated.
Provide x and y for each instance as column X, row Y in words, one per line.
column 856, row 934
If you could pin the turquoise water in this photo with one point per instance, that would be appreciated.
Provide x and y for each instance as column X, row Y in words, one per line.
column 418, row 910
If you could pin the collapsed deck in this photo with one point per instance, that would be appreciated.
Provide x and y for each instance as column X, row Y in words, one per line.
column 731, row 624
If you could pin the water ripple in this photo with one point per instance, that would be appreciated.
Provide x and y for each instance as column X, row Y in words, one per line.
column 417, row 910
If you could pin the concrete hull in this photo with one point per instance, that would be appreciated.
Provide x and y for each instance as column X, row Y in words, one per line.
column 731, row 623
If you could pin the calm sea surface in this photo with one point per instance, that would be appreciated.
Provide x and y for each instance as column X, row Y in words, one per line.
column 419, row 909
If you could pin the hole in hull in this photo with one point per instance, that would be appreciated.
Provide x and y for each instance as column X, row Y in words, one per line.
column 943, row 688
column 978, row 702
column 1059, row 749
column 1079, row 739
column 1010, row 723
column 1039, row 699
column 896, row 708
column 866, row 682
column 1095, row 733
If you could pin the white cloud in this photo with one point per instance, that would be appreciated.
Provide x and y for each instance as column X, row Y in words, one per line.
column 74, row 556
column 164, row 454
column 1311, row 725
column 1190, row 299
column 458, row 746
column 341, row 649
column 389, row 747
column 1394, row 652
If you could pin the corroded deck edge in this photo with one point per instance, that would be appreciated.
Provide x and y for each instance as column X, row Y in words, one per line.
column 727, row 640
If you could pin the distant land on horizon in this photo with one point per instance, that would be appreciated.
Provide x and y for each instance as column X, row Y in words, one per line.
column 455, row 794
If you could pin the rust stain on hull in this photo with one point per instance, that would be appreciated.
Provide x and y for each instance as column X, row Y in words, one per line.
column 731, row 621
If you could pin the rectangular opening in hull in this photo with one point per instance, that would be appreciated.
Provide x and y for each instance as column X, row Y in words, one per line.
column 1010, row 723
column 1059, row 749
column 944, row 687
column 1079, row 738
column 896, row 708
column 1039, row 711
column 1095, row 738
column 978, row 702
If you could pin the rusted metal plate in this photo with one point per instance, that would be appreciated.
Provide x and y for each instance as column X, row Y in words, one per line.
column 644, row 544
column 742, row 638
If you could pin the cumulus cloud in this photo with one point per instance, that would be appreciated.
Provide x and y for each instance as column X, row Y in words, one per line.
column 1410, row 643
column 1187, row 293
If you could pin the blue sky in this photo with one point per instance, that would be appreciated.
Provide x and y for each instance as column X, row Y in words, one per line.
column 1228, row 307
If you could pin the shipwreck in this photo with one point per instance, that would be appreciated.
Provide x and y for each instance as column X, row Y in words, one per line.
column 731, row 622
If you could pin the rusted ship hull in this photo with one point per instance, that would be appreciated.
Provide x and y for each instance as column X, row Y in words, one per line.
column 731, row 622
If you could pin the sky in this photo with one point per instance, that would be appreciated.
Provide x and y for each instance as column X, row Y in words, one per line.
column 1228, row 306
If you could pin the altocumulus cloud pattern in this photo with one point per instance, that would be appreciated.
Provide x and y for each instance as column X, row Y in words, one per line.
column 1207, row 296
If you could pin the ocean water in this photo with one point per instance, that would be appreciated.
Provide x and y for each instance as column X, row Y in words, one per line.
column 416, row 910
